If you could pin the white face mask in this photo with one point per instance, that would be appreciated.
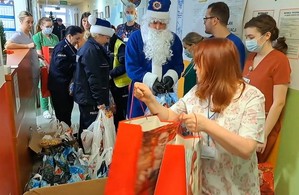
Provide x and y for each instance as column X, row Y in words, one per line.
column 47, row 31
column 253, row 46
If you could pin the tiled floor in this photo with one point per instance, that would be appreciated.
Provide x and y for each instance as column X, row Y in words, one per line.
column 45, row 123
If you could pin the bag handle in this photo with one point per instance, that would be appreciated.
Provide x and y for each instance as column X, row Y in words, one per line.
column 131, row 107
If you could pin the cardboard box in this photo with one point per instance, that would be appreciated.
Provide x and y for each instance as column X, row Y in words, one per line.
column 90, row 187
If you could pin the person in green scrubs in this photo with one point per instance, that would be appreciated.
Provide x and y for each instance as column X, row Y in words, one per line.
column 44, row 37
column 189, row 74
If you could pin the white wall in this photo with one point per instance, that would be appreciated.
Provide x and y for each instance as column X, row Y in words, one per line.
column 115, row 6
column 20, row 5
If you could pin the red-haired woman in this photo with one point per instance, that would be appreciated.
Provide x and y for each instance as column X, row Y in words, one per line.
column 227, row 112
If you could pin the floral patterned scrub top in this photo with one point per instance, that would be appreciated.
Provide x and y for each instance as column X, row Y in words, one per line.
column 228, row 174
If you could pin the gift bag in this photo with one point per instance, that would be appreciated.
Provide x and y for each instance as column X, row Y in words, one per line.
column 44, row 74
column 44, row 70
column 266, row 178
column 180, row 172
column 137, row 156
column 47, row 53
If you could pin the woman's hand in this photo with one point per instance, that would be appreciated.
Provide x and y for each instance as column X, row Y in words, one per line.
column 41, row 57
column 30, row 45
column 261, row 147
column 101, row 107
column 142, row 92
column 190, row 121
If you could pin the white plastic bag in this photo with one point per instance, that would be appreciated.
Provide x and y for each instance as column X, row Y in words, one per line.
column 103, row 131
column 98, row 163
column 102, row 144
column 87, row 137
column 109, row 130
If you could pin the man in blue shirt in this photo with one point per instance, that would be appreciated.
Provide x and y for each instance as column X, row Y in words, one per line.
column 216, row 20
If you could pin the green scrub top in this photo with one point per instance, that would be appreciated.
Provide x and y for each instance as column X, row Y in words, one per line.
column 40, row 40
column 190, row 77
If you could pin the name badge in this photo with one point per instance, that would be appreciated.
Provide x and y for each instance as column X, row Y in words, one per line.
column 247, row 80
column 208, row 152
column 126, row 39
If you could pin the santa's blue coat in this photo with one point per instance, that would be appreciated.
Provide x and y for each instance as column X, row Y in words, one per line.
column 137, row 66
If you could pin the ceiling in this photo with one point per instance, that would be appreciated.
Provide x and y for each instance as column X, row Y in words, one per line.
column 56, row 2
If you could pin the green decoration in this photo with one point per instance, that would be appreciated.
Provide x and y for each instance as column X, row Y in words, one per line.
column 2, row 35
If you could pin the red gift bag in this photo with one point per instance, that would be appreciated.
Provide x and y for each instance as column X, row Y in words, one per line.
column 137, row 155
column 172, row 176
column 44, row 74
column 266, row 178
column 47, row 53
column 180, row 171
column 44, row 71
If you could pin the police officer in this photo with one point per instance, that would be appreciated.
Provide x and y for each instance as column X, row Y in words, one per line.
column 91, row 80
column 61, row 72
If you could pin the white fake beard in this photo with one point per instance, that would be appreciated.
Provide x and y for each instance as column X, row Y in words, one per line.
column 157, row 44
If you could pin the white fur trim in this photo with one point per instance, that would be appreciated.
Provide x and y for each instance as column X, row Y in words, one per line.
column 173, row 74
column 101, row 30
column 149, row 79
column 92, row 19
column 158, row 15
column 157, row 69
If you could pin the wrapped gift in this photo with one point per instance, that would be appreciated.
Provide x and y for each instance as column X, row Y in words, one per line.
column 266, row 178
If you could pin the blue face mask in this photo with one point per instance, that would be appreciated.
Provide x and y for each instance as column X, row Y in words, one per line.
column 188, row 54
column 47, row 31
column 130, row 17
column 253, row 46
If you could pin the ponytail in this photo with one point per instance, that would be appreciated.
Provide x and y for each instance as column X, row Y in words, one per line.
column 281, row 45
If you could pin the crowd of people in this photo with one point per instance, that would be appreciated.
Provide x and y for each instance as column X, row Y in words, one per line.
column 235, row 102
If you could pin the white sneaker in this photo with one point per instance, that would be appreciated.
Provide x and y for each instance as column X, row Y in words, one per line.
column 47, row 115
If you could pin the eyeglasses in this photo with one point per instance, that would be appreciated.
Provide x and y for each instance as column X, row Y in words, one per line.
column 206, row 18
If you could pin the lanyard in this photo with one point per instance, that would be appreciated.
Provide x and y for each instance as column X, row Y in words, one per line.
column 185, row 73
column 211, row 116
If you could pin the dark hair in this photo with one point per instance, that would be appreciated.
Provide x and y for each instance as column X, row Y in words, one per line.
column 192, row 38
column 265, row 23
column 84, row 15
column 72, row 30
column 219, row 79
column 220, row 10
column 281, row 45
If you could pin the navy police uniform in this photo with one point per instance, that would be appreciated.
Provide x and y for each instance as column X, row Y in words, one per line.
column 61, row 72
column 91, row 82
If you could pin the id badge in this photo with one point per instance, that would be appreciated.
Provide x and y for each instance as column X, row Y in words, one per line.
column 247, row 80
column 208, row 152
